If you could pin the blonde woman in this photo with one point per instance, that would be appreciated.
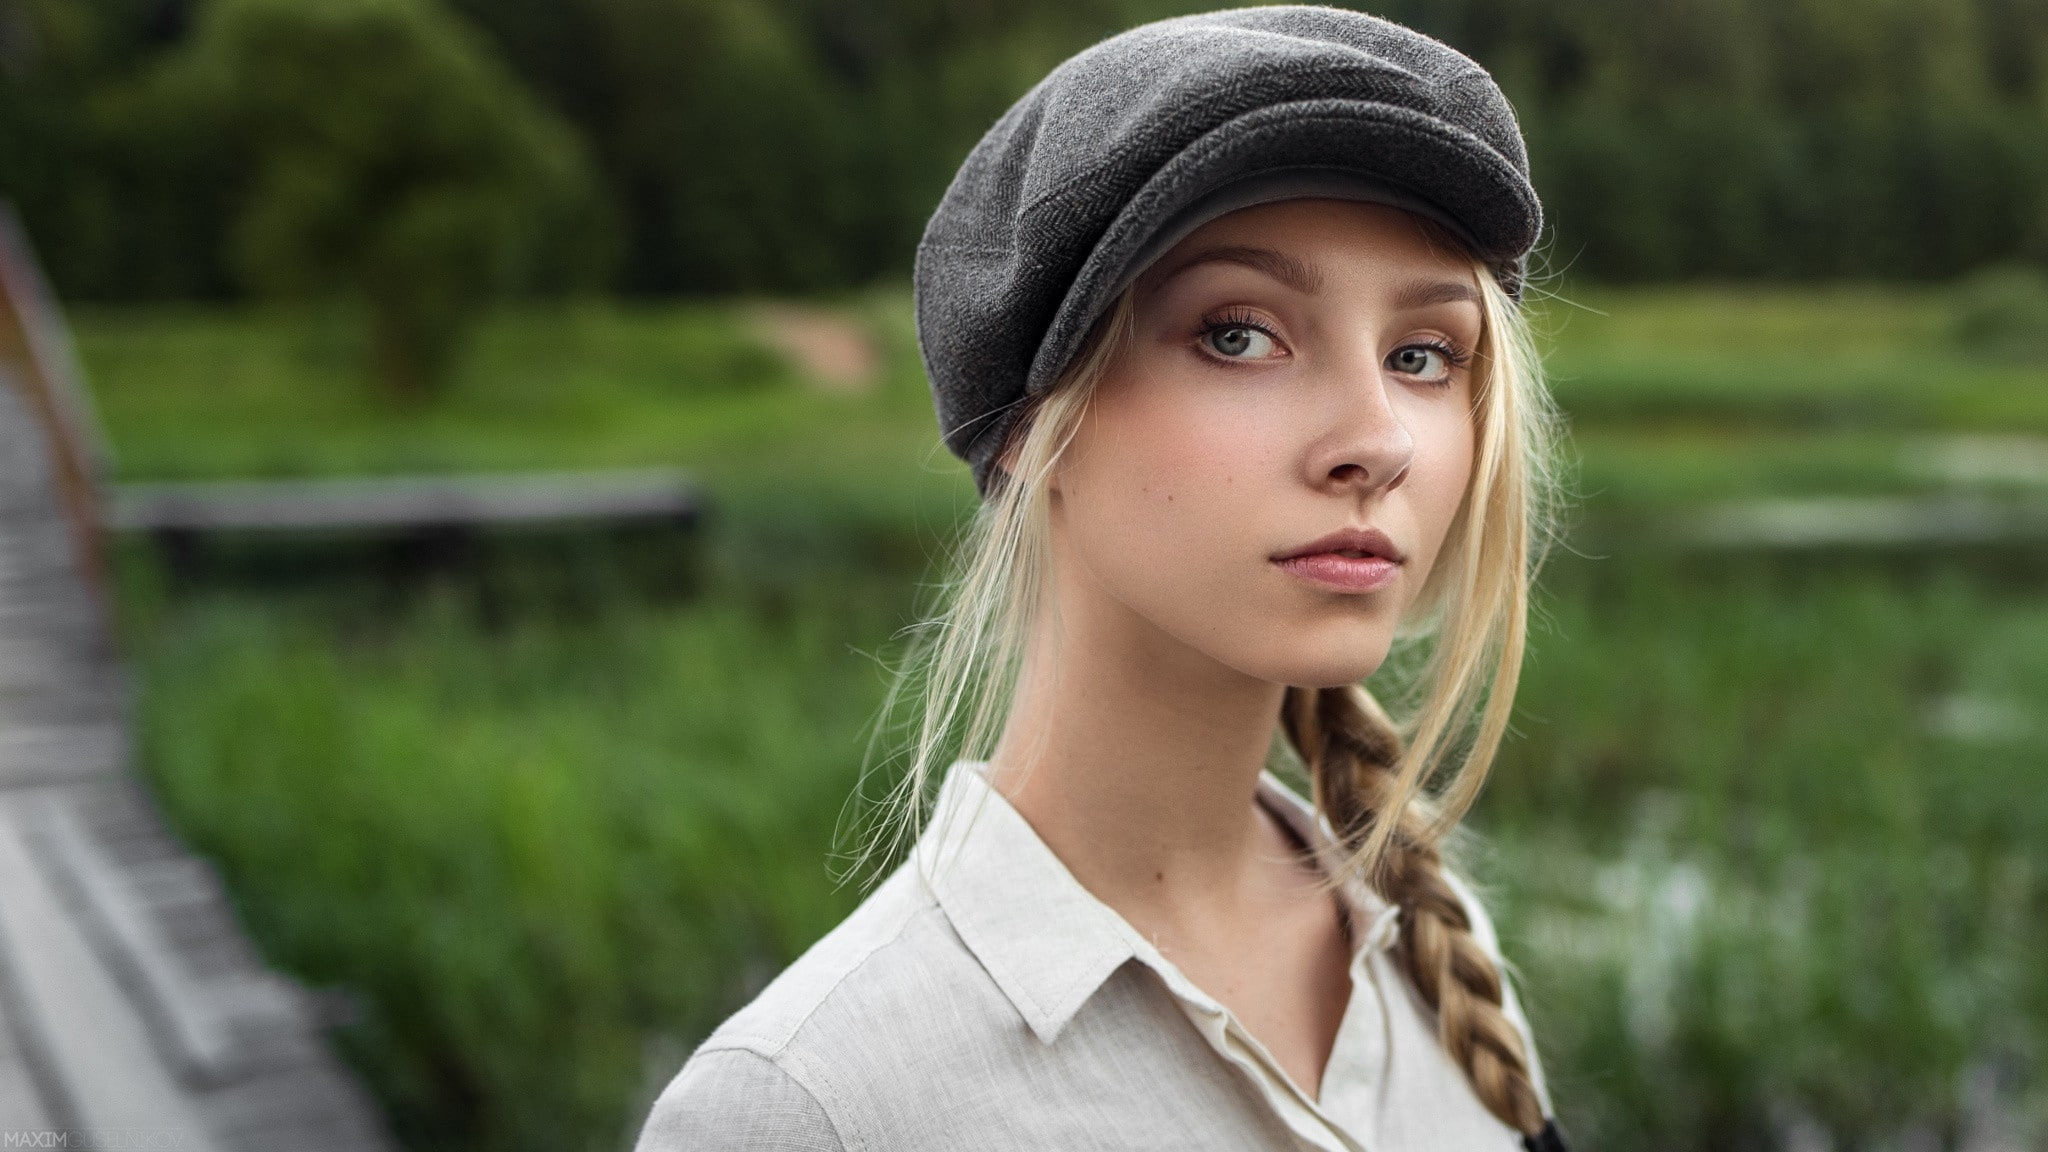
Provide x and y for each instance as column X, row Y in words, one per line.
column 1224, row 313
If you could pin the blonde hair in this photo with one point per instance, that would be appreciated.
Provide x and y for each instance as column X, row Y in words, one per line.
column 1383, row 783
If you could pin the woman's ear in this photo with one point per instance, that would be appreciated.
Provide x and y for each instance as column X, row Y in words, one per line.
column 1007, row 460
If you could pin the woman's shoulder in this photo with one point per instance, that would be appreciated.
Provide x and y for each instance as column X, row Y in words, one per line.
column 773, row 1073
column 888, row 931
column 738, row 1100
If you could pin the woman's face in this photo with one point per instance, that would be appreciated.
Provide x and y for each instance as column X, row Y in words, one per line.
column 1298, row 369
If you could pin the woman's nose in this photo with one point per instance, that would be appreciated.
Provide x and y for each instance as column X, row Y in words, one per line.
column 1366, row 446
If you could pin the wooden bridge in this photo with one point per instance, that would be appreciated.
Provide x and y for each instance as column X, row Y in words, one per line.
column 133, row 1011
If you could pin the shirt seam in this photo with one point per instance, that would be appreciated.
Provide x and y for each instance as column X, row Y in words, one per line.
column 776, row 1062
column 777, row 1045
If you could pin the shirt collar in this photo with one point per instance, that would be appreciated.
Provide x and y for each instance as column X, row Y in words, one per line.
column 1045, row 940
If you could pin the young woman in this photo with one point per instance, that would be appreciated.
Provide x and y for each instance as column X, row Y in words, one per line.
column 1225, row 315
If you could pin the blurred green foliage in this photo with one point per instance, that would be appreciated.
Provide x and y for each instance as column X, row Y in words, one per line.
column 2005, row 311
column 799, row 145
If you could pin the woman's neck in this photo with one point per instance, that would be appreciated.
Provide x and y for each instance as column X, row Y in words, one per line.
column 1136, row 759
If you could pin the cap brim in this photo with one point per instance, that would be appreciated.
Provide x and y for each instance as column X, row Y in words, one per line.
column 1271, row 186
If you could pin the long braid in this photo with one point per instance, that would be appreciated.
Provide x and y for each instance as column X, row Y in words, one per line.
column 1351, row 747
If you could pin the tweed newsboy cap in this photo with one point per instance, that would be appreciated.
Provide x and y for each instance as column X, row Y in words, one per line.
column 1132, row 143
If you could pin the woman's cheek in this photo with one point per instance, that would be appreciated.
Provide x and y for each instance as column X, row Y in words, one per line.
column 1197, row 461
column 1439, row 476
column 1164, row 472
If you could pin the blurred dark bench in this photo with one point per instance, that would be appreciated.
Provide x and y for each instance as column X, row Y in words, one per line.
column 400, row 504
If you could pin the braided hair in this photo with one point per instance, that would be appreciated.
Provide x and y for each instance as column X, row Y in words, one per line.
column 1351, row 749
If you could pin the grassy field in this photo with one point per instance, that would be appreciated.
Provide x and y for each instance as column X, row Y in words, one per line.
column 1768, row 839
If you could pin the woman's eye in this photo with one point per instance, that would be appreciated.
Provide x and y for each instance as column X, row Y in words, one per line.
column 1422, row 360
column 1239, row 342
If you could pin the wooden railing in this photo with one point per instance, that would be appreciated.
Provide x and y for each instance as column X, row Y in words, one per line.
column 37, row 358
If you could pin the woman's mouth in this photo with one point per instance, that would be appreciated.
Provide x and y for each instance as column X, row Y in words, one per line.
column 1348, row 560
column 1349, row 570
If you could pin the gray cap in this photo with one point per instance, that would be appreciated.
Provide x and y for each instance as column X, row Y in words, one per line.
column 1133, row 143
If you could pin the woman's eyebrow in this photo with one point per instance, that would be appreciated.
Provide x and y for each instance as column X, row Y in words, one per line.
column 1294, row 273
column 1306, row 279
column 1424, row 293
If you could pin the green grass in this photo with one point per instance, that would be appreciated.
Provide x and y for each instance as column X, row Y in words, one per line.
column 1810, row 358
column 547, row 841
column 205, row 394
column 1758, row 860
column 1767, row 840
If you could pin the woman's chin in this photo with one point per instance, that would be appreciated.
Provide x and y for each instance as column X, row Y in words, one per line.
column 1329, row 677
column 1320, row 662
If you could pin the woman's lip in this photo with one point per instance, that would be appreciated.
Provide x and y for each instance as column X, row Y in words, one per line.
column 1371, row 541
column 1345, row 573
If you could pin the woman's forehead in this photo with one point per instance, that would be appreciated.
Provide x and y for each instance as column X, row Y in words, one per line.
column 1302, row 242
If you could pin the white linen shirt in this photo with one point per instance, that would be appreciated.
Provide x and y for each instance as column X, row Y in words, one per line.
column 981, row 998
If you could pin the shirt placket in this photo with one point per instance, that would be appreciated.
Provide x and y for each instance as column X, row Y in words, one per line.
column 1357, row 1057
column 1243, row 1051
column 1355, row 1081
column 1312, row 1124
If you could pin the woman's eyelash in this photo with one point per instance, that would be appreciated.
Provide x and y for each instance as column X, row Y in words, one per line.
column 1234, row 319
column 1459, row 357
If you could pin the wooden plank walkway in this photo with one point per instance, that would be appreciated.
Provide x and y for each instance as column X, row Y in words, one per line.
column 133, row 1009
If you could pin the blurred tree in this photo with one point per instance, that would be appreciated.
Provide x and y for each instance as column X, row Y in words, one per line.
column 122, row 205
column 387, row 155
column 781, row 144
column 799, row 145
